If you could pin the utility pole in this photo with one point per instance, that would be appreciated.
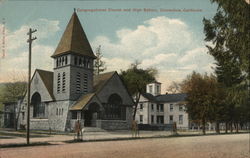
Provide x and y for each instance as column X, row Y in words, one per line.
column 30, row 40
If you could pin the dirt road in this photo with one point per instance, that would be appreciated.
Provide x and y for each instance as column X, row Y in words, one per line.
column 213, row 146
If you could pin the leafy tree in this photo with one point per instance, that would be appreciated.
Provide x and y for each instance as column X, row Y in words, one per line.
column 136, row 80
column 14, row 91
column 202, row 99
column 99, row 64
column 229, row 33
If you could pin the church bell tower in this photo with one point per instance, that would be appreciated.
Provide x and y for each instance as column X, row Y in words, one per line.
column 73, row 63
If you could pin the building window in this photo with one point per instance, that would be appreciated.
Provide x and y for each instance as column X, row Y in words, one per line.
column 141, row 106
column 180, row 119
column 73, row 115
column 114, row 110
column 171, row 107
column 58, row 82
column 180, row 107
column 78, row 82
column 75, row 60
column 158, row 89
column 160, row 107
column 150, row 89
column 84, row 62
column 152, row 107
column 171, row 119
column 38, row 106
column 152, row 119
column 160, row 119
column 80, row 62
column 141, row 118
column 60, row 62
column 63, row 82
column 85, row 83
column 66, row 60
column 56, row 111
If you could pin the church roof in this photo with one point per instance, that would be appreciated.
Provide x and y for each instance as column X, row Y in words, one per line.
column 166, row 98
column 47, row 78
column 74, row 40
column 101, row 79
column 83, row 101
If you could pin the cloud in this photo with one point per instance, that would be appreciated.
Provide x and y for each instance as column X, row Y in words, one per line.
column 17, row 48
column 161, row 42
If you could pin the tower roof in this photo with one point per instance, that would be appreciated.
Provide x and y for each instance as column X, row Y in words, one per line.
column 74, row 40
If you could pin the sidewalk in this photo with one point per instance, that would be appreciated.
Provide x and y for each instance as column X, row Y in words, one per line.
column 16, row 137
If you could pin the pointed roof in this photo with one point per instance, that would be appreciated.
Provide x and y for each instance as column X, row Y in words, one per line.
column 83, row 101
column 74, row 40
column 47, row 78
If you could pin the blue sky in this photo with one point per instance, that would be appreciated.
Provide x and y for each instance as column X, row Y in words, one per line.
column 171, row 41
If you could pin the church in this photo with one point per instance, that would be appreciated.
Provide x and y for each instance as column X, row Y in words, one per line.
column 72, row 92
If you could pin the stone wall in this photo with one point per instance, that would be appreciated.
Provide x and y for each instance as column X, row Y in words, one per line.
column 39, row 124
column 112, row 124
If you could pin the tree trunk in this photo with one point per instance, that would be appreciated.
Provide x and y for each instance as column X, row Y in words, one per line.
column 226, row 127
column 231, row 127
column 237, row 127
column 137, row 99
column 217, row 128
column 203, row 126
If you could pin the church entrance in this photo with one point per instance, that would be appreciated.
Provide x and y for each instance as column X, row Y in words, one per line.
column 91, row 115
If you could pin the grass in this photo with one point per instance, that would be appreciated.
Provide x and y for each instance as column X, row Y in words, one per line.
column 24, row 145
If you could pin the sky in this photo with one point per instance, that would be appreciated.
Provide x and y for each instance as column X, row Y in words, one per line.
column 164, row 34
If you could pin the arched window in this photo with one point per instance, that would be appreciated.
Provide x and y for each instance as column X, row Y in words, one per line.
column 84, row 62
column 38, row 107
column 80, row 62
column 66, row 60
column 75, row 60
column 114, row 108
column 60, row 62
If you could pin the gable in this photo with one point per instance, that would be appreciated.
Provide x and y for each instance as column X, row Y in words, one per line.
column 38, row 85
column 115, row 85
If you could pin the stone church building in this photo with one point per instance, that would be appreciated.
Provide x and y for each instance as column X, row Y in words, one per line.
column 72, row 92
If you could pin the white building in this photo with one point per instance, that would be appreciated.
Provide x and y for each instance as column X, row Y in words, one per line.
column 155, row 108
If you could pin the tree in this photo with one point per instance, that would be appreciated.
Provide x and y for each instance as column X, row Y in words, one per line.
column 229, row 32
column 136, row 80
column 99, row 64
column 13, row 91
column 201, row 97
column 174, row 87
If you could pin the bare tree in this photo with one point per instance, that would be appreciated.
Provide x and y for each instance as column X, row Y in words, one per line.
column 174, row 88
column 99, row 64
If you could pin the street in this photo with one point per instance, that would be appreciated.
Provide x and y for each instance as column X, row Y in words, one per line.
column 212, row 146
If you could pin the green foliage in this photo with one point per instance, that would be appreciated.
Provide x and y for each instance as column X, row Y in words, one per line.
column 13, row 91
column 205, row 98
column 228, row 31
column 136, row 80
